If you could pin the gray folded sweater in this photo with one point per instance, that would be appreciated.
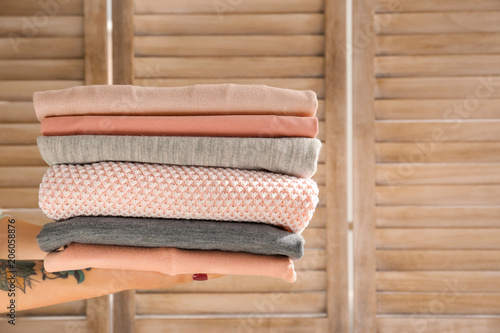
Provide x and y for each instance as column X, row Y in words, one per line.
column 249, row 237
column 292, row 156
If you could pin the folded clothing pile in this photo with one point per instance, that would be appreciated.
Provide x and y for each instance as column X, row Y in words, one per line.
column 197, row 179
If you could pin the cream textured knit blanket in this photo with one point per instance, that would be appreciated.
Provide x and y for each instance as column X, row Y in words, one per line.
column 185, row 192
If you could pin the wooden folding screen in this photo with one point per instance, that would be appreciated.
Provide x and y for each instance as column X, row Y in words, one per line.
column 46, row 44
column 297, row 45
column 427, row 153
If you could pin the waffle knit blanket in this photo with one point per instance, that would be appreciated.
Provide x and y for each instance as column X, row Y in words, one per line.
column 202, row 99
column 169, row 261
column 292, row 156
column 177, row 192
column 229, row 126
column 256, row 238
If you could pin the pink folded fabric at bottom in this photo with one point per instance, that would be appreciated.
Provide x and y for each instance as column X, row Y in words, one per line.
column 167, row 260
column 265, row 126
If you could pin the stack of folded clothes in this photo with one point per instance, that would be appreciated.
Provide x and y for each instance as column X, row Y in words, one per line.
column 197, row 179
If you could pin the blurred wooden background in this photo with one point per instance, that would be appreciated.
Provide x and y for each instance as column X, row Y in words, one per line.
column 427, row 153
column 299, row 44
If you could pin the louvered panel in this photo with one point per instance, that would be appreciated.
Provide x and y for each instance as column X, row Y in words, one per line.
column 43, row 45
column 242, row 24
column 278, row 43
column 426, row 103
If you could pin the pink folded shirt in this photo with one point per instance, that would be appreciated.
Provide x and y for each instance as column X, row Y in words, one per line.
column 200, row 99
column 221, row 126
column 171, row 261
column 171, row 191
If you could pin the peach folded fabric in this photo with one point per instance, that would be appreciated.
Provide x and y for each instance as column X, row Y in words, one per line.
column 183, row 192
column 171, row 261
column 221, row 126
column 201, row 99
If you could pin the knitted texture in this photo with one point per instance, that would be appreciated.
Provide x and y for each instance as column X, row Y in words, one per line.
column 249, row 237
column 185, row 192
column 291, row 156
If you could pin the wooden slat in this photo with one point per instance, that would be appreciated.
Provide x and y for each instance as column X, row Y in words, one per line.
column 466, row 43
column 447, row 260
column 437, row 281
column 322, row 196
column 17, row 112
column 447, row 302
column 306, row 45
column 306, row 281
column 322, row 154
column 68, row 69
column 319, row 218
column 437, row 65
column 23, row 90
column 436, row 109
column 429, row 152
column 123, row 42
column 98, row 314
column 313, row 260
column 230, row 303
column 29, row 176
column 436, row 238
column 217, row 325
column 461, row 130
column 398, row 324
column 96, row 34
column 19, row 134
column 435, row 217
column 20, row 156
column 21, row 33
column 320, row 175
column 335, row 129
column 124, row 311
column 39, row 9
column 19, row 197
column 443, row 87
column 42, row 48
column 30, row 215
column 315, row 237
column 427, row 174
column 364, row 266
column 481, row 195
column 317, row 85
column 445, row 22
column 435, row 6
column 74, row 308
column 229, row 67
column 321, row 131
column 241, row 24
column 321, row 110
column 76, row 324
column 201, row 6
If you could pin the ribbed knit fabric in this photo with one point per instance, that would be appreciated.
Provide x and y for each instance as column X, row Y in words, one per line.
column 292, row 156
column 249, row 237
column 221, row 126
column 202, row 99
column 179, row 192
column 170, row 261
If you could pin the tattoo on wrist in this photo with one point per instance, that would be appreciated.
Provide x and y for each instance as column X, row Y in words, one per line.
column 22, row 273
